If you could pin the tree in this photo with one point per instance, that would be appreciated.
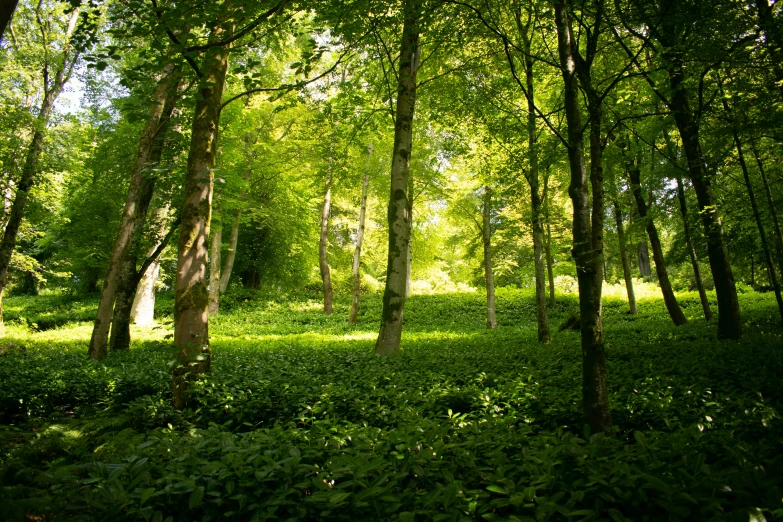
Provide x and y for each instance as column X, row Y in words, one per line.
column 60, row 58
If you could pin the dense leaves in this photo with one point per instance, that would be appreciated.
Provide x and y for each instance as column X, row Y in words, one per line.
column 300, row 421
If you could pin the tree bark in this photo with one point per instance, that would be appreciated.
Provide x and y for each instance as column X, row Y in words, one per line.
column 588, row 242
column 191, row 300
column 214, row 267
column 143, row 307
column 7, row 8
column 390, row 333
column 233, row 240
column 489, row 279
column 409, row 254
column 535, row 198
column 135, row 209
column 705, row 304
column 729, row 323
column 772, row 208
column 754, row 206
column 326, row 275
column 672, row 306
column 357, row 255
column 548, row 246
column 627, row 276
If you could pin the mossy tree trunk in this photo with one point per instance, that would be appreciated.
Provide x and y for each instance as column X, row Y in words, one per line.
column 390, row 333
column 191, row 299
column 587, row 248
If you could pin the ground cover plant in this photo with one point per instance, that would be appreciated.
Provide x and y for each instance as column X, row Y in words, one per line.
column 299, row 420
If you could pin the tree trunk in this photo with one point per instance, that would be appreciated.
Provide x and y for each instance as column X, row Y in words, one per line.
column 729, row 323
column 214, row 267
column 618, row 219
column 191, row 300
column 672, row 306
column 409, row 254
column 705, row 304
column 486, row 229
column 754, row 206
column 7, row 8
column 643, row 258
column 587, row 247
column 548, row 246
column 390, row 333
column 326, row 275
column 143, row 307
column 145, row 160
column 357, row 255
column 772, row 209
column 225, row 274
column 535, row 197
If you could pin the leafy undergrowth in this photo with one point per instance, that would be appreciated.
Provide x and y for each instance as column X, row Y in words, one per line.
column 299, row 421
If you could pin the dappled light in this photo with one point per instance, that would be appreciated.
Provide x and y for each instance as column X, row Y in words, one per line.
column 394, row 260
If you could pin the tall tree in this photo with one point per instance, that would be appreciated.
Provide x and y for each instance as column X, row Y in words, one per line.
column 670, row 24
column 60, row 58
column 672, row 306
column 390, row 333
column 588, row 235
column 140, row 192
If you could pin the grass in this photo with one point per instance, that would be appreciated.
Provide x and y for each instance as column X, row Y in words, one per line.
column 299, row 421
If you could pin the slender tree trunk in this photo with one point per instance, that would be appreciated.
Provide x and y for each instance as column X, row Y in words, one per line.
column 643, row 258
column 128, row 277
column 233, row 240
column 390, row 333
column 772, row 209
column 535, row 197
column 618, row 219
column 587, row 247
column 191, row 300
column 754, row 206
column 705, row 304
column 143, row 308
column 7, row 8
column 672, row 306
column 409, row 254
column 548, row 246
column 489, row 279
column 729, row 323
column 326, row 275
column 357, row 255
column 214, row 267
column 145, row 158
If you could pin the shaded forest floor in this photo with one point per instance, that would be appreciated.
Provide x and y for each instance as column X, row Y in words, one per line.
column 299, row 420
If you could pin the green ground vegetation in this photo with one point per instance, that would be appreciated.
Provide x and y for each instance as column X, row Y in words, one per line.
column 300, row 421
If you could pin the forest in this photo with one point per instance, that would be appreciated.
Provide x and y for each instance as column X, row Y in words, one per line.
column 404, row 260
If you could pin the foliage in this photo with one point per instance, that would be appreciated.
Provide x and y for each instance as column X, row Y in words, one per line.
column 300, row 421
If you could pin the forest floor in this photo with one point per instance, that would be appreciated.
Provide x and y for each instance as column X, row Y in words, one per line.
column 299, row 420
